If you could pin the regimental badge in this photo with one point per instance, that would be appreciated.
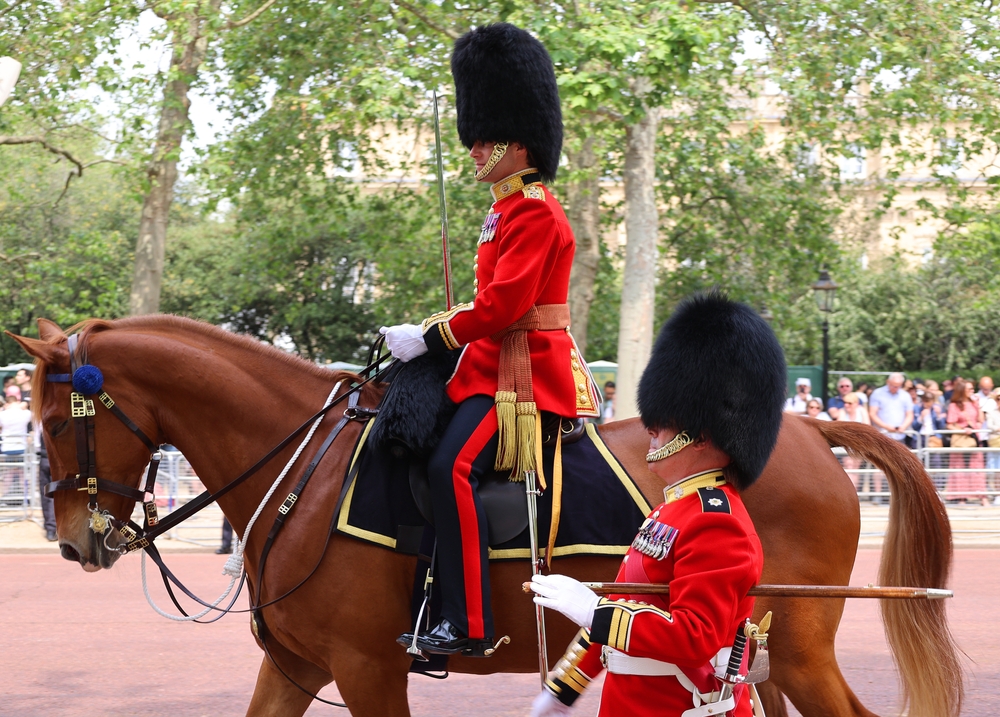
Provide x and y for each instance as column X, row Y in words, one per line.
column 99, row 522
column 533, row 191
column 655, row 539
column 489, row 230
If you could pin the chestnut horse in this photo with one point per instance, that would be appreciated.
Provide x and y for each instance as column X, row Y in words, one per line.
column 218, row 398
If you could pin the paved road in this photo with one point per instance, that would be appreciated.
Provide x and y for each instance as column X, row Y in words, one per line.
column 82, row 644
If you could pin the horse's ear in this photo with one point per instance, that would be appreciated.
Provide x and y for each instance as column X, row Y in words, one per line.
column 41, row 350
column 49, row 330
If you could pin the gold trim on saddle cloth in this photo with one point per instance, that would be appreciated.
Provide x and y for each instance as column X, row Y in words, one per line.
column 345, row 510
column 691, row 484
column 509, row 185
column 345, row 526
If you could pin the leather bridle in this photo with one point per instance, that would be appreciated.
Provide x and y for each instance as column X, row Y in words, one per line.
column 83, row 410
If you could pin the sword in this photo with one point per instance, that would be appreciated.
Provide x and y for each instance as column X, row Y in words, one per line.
column 449, row 294
column 532, row 492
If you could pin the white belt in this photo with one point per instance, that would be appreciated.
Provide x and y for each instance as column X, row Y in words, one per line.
column 706, row 704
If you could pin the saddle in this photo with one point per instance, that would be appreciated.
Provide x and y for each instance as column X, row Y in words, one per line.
column 503, row 500
column 412, row 417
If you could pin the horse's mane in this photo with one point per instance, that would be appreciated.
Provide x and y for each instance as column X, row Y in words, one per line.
column 171, row 324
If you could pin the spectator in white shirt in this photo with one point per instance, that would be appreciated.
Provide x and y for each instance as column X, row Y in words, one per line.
column 891, row 409
column 15, row 425
column 799, row 402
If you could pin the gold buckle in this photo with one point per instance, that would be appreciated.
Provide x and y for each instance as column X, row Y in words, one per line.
column 151, row 516
column 77, row 405
column 127, row 533
column 90, row 408
column 91, row 486
column 287, row 505
column 106, row 399
column 137, row 545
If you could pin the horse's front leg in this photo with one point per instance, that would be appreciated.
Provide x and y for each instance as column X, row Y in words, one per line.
column 372, row 684
column 275, row 696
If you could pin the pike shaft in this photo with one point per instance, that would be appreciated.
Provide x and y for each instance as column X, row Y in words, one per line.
column 449, row 294
column 792, row 591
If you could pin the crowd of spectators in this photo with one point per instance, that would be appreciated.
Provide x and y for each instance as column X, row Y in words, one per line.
column 919, row 414
column 17, row 438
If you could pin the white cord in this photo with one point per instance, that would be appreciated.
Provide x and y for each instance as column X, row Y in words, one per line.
column 234, row 565
column 181, row 618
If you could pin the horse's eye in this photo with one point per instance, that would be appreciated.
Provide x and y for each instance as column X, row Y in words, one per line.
column 55, row 430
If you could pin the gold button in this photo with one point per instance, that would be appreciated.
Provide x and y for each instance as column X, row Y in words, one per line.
column 572, row 352
column 475, row 267
column 475, row 258
column 475, row 282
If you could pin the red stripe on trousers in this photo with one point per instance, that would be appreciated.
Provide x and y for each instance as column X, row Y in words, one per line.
column 468, row 521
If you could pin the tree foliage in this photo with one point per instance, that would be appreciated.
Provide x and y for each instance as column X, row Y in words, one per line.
column 307, row 254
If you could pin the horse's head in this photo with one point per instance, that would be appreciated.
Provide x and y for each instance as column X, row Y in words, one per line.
column 118, row 455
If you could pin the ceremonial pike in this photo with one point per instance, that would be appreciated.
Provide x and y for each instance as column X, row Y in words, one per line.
column 795, row 591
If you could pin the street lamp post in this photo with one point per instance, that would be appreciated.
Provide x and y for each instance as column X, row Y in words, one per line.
column 824, row 291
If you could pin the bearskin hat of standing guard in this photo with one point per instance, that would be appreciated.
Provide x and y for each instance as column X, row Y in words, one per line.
column 718, row 371
column 505, row 91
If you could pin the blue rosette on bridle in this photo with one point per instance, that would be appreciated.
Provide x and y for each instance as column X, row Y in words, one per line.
column 88, row 380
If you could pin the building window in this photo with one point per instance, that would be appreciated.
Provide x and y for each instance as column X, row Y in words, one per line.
column 852, row 163
column 951, row 155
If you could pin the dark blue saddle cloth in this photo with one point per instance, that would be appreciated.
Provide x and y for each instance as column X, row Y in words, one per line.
column 601, row 511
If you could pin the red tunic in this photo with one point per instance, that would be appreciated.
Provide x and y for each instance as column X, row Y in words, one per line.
column 713, row 560
column 524, row 259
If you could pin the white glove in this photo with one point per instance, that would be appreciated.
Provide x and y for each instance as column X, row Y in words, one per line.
column 10, row 69
column 405, row 341
column 566, row 595
column 548, row 705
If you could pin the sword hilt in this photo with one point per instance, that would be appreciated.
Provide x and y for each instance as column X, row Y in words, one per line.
column 736, row 656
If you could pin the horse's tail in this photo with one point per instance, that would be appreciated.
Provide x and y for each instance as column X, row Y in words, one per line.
column 917, row 552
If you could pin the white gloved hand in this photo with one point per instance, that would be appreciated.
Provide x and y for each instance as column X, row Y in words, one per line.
column 548, row 705
column 10, row 69
column 405, row 341
column 566, row 595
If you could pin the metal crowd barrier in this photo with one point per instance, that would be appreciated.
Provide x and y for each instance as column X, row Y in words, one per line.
column 178, row 483
column 959, row 474
column 19, row 499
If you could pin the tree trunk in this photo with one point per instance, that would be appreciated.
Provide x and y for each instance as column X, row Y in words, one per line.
column 584, row 203
column 189, row 47
column 635, row 333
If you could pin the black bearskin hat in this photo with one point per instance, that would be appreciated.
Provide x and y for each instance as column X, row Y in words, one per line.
column 505, row 91
column 718, row 371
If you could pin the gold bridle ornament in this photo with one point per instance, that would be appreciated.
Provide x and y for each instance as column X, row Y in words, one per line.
column 499, row 150
column 680, row 441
